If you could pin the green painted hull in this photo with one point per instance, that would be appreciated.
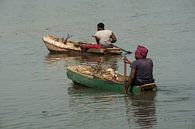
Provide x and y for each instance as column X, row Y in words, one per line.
column 90, row 81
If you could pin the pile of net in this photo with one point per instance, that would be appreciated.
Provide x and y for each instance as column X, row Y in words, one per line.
column 98, row 72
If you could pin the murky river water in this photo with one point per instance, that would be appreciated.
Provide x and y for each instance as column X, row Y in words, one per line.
column 36, row 94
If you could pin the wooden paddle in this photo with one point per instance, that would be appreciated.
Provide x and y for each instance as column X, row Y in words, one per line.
column 125, row 75
column 129, row 52
column 125, row 69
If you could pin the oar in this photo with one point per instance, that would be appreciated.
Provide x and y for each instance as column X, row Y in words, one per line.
column 125, row 69
column 129, row 52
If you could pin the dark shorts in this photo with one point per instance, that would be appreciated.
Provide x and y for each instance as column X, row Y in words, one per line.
column 138, row 83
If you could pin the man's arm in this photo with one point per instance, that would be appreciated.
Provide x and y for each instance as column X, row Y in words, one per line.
column 113, row 38
column 130, row 79
column 97, row 40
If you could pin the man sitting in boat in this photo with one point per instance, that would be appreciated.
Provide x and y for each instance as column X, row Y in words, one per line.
column 104, row 37
column 141, row 69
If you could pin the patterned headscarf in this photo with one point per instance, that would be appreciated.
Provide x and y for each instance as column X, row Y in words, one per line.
column 141, row 52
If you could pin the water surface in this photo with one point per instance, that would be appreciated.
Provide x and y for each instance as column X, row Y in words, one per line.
column 34, row 89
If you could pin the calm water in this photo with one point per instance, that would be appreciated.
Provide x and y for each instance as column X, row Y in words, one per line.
column 36, row 94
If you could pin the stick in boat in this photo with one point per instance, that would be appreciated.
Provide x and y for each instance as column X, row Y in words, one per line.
column 68, row 36
column 125, row 69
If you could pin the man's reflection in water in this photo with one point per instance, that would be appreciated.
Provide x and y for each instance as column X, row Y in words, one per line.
column 53, row 58
column 143, row 109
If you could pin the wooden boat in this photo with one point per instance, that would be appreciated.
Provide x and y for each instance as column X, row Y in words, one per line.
column 95, row 77
column 59, row 45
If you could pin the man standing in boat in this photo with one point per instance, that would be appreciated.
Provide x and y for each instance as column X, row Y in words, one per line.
column 141, row 69
column 104, row 37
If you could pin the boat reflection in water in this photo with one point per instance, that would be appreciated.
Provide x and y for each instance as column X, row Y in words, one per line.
column 143, row 109
column 54, row 60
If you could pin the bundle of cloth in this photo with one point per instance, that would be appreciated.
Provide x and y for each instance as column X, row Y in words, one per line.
column 141, row 52
column 87, row 46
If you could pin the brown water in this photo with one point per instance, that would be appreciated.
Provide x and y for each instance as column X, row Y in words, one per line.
column 36, row 94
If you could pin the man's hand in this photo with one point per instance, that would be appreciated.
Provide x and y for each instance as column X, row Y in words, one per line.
column 126, row 60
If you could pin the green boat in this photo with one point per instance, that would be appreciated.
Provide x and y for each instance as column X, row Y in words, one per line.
column 103, row 79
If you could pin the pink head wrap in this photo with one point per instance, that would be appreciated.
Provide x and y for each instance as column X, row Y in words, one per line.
column 141, row 52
